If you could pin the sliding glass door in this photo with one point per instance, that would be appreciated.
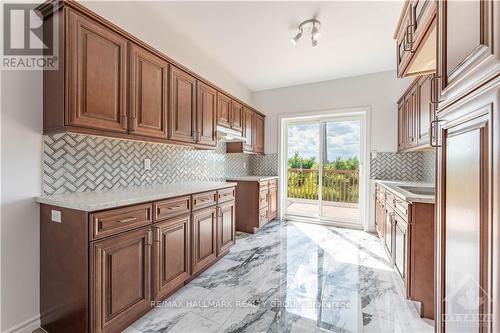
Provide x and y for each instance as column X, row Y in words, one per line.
column 323, row 175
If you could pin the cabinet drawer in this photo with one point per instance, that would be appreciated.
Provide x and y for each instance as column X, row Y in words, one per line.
column 114, row 221
column 170, row 208
column 263, row 203
column 402, row 208
column 273, row 183
column 226, row 194
column 262, row 217
column 263, row 186
column 203, row 200
column 390, row 199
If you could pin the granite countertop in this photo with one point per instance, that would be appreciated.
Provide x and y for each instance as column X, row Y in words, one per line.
column 251, row 178
column 93, row 201
column 393, row 186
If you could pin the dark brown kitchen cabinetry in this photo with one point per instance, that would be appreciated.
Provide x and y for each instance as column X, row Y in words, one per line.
column 256, row 203
column 415, row 38
column 148, row 93
column 182, row 113
column 120, row 280
column 97, row 76
column 407, row 230
column 116, row 262
column 248, row 116
column 204, row 247
column 110, row 83
column 171, row 255
column 416, row 111
column 206, row 115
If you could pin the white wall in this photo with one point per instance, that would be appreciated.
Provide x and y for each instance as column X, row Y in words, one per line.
column 380, row 91
column 152, row 29
column 21, row 149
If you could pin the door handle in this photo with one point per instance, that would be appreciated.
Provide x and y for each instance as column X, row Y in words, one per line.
column 434, row 92
column 431, row 133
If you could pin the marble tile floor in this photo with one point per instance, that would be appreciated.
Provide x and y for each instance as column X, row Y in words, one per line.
column 292, row 277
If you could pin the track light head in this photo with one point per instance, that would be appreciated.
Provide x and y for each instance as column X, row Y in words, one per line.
column 297, row 37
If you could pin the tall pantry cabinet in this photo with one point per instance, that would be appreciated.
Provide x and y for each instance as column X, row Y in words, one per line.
column 468, row 171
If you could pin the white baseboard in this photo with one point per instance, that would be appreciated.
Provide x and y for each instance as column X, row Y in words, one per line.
column 27, row 326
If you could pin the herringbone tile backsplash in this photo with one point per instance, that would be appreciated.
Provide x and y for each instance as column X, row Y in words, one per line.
column 413, row 166
column 78, row 163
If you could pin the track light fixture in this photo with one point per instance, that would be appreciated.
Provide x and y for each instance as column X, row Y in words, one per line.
column 310, row 26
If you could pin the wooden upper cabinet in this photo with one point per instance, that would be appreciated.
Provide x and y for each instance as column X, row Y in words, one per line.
column 206, row 127
column 120, row 280
column 148, row 93
column 416, row 38
column 182, row 112
column 248, row 129
column 223, row 110
column 425, row 109
column 469, row 52
column 258, row 133
column 171, row 255
column 401, row 127
column 97, row 76
column 236, row 116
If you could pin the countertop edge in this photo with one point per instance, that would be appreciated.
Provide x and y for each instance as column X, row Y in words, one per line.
column 60, row 202
column 411, row 199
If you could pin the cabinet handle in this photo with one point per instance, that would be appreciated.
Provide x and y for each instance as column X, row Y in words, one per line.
column 409, row 39
column 149, row 237
column 434, row 92
column 405, row 42
column 127, row 220
column 431, row 134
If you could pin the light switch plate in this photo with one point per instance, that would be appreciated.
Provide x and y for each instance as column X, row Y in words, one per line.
column 55, row 216
column 147, row 164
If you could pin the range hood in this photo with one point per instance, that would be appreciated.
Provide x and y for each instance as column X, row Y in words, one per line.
column 229, row 135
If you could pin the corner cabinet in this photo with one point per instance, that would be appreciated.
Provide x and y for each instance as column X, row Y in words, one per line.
column 110, row 83
column 118, row 262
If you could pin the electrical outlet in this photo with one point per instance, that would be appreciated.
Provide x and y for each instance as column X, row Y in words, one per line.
column 55, row 216
column 244, row 165
column 147, row 164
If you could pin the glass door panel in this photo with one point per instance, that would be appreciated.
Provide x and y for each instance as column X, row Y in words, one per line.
column 303, row 156
column 340, row 170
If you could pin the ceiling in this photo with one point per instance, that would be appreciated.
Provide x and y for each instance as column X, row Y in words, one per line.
column 252, row 39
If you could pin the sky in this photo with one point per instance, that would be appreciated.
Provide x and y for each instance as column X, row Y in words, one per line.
column 343, row 139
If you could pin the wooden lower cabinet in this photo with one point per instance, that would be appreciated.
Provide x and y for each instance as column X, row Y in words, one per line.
column 100, row 271
column 120, row 280
column 389, row 231
column 226, row 227
column 400, row 250
column 256, row 203
column 204, row 246
column 171, row 255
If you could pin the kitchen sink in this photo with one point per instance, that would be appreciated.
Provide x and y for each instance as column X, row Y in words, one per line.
column 419, row 190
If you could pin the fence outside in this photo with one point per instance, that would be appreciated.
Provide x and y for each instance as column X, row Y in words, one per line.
column 338, row 185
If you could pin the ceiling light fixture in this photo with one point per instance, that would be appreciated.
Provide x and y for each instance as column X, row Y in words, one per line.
column 311, row 26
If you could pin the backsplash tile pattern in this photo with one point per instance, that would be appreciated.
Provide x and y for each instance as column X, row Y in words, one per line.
column 397, row 166
column 238, row 165
column 265, row 165
column 78, row 163
column 429, row 166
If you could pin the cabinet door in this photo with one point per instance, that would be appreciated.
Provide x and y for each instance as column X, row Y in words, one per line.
column 236, row 116
column 465, row 208
column 97, row 76
column 226, row 227
column 248, row 129
column 182, row 112
column 223, row 110
column 258, row 133
column 388, row 229
column 425, row 109
column 468, row 53
column 204, row 238
column 272, row 208
column 171, row 255
column 401, row 126
column 148, row 93
column 120, row 280
column 400, row 246
column 379, row 220
column 206, row 115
